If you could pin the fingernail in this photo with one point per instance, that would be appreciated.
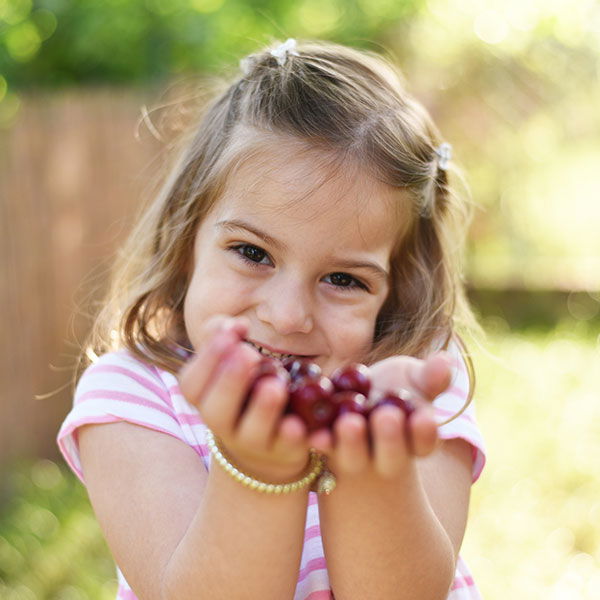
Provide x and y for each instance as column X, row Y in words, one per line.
column 237, row 326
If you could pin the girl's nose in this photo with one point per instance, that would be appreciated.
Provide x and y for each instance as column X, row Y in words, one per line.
column 287, row 310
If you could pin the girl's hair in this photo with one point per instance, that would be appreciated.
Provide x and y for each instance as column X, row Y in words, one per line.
column 353, row 106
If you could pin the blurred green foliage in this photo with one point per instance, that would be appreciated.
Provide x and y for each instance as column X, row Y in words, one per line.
column 534, row 519
column 534, row 527
column 51, row 546
column 514, row 86
column 58, row 42
column 537, row 310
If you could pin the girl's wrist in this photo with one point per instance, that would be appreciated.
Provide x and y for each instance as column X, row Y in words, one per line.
column 272, row 473
column 369, row 479
column 278, row 474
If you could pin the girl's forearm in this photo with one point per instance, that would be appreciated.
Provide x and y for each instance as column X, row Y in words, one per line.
column 382, row 540
column 240, row 544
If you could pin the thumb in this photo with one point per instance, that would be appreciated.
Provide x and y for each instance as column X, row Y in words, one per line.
column 434, row 375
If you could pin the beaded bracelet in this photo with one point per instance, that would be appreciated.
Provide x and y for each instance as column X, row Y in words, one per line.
column 315, row 466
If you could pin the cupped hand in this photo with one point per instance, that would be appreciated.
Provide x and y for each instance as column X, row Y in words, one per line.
column 386, row 443
column 260, row 440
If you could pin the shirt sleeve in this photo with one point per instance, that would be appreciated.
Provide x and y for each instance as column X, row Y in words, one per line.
column 118, row 387
column 451, row 402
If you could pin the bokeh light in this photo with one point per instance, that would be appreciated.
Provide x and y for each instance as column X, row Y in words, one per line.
column 538, row 406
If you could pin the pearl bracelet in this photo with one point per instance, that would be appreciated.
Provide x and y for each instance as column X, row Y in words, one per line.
column 315, row 466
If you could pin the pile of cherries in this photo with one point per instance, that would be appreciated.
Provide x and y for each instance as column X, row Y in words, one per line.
column 320, row 400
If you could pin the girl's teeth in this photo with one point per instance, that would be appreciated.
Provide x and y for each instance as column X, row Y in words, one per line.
column 266, row 352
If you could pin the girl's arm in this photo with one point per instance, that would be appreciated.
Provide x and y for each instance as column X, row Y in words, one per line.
column 180, row 533
column 398, row 538
column 394, row 524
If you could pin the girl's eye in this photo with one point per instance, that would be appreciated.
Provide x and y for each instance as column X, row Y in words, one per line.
column 252, row 253
column 345, row 281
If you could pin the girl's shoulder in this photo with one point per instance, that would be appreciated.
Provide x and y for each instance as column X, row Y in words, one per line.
column 123, row 368
column 121, row 356
column 119, row 386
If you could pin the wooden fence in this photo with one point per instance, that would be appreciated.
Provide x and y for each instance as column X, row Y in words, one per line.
column 72, row 172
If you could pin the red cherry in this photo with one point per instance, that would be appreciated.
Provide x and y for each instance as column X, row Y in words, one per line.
column 354, row 377
column 407, row 407
column 271, row 367
column 350, row 401
column 310, row 399
column 267, row 367
column 301, row 367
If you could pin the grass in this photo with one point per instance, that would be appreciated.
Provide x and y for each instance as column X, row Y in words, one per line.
column 51, row 547
column 534, row 520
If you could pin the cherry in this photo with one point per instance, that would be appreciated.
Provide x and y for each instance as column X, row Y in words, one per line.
column 354, row 377
column 310, row 399
column 267, row 367
column 350, row 401
column 301, row 367
column 407, row 407
column 318, row 400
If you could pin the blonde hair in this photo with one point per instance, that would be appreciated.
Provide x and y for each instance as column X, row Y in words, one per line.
column 352, row 104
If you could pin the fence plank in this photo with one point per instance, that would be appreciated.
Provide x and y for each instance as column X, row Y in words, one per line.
column 71, row 176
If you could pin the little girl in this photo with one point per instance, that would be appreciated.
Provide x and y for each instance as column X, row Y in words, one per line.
column 309, row 215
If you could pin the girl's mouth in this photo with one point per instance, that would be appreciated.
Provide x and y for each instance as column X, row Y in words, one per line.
column 272, row 354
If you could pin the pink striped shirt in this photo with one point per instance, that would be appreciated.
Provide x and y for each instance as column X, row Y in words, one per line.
column 118, row 387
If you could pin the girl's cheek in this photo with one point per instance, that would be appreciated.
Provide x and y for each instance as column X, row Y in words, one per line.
column 350, row 331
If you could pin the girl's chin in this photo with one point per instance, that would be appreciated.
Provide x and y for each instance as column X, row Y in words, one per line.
column 328, row 366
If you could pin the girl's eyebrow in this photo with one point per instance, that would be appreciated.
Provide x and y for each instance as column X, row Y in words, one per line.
column 375, row 269
column 236, row 225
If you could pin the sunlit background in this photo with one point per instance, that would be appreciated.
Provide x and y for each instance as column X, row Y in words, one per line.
column 88, row 104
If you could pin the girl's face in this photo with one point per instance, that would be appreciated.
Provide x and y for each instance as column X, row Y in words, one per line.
column 300, row 251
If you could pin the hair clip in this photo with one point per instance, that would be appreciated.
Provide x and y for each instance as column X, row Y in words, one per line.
column 282, row 51
column 444, row 154
column 246, row 64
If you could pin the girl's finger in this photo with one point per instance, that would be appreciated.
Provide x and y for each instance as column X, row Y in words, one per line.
column 423, row 431
column 221, row 323
column 290, row 436
column 322, row 440
column 351, row 447
column 431, row 377
column 223, row 398
column 391, row 440
column 198, row 371
column 394, row 372
column 257, row 425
